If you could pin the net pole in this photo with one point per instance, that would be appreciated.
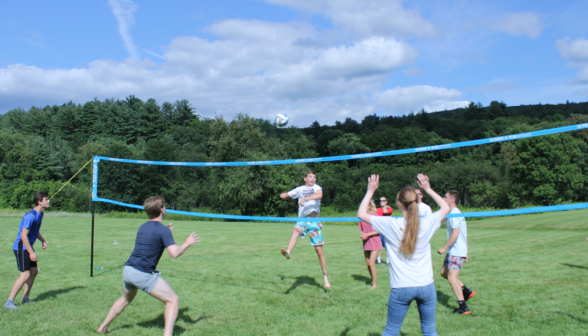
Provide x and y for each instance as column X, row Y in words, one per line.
column 92, row 244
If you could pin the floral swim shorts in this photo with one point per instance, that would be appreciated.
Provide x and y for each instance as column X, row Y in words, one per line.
column 453, row 262
column 314, row 230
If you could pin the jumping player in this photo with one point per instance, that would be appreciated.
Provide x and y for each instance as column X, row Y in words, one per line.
column 139, row 273
column 309, row 196
column 26, row 258
column 457, row 253
column 424, row 209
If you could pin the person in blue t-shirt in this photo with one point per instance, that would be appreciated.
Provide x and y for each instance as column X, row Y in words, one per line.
column 139, row 272
column 457, row 253
column 26, row 258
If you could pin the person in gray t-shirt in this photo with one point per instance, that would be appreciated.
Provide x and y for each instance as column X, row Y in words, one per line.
column 457, row 253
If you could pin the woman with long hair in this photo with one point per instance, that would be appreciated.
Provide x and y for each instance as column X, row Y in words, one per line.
column 371, row 244
column 409, row 248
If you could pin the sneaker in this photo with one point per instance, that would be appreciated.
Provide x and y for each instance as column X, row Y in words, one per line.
column 468, row 294
column 379, row 263
column 464, row 311
column 27, row 300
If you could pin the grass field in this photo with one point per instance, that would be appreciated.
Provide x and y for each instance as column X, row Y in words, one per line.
column 529, row 273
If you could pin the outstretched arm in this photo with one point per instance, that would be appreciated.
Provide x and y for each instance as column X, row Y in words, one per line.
column 284, row 195
column 423, row 181
column 176, row 251
column 362, row 212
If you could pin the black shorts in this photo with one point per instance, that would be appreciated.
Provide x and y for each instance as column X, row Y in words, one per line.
column 23, row 260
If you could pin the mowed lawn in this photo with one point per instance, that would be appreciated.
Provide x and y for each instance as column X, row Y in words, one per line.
column 529, row 273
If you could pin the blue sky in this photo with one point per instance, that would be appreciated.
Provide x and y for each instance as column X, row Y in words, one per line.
column 313, row 60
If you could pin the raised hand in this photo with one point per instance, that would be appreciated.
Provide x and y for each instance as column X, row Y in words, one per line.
column 373, row 182
column 193, row 239
column 423, row 181
column 170, row 226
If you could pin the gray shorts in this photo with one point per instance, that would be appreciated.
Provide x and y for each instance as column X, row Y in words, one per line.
column 134, row 279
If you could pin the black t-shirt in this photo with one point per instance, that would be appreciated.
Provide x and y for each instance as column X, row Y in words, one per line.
column 152, row 239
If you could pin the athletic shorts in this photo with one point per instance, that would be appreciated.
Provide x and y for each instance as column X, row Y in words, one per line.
column 134, row 279
column 453, row 262
column 23, row 260
column 314, row 230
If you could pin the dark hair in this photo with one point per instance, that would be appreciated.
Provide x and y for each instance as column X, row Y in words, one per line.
column 408, row 197
column 39, row 195
column 153, row 206
column 455, row 195
column 310, row 172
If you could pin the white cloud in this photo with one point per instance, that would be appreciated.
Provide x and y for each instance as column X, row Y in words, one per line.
column 519, row 24
column 123, row 12
column 400, row 100
column 576, row 50
column 366, row 19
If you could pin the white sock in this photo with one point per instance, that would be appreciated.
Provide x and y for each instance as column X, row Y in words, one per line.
column 379, row 259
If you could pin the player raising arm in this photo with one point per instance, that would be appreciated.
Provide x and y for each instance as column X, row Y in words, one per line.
column 409, row 248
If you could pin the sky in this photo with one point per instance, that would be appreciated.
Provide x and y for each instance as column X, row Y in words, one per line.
column 313, row 60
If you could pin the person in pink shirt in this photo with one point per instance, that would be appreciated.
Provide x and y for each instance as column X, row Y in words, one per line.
column 372, row 244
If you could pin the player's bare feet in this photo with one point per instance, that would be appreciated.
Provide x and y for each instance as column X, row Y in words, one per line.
column 103, row 330
column 285, row 253
column 374, row 286
column 327, row 284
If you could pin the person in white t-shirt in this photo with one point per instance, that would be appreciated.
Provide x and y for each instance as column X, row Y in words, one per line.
column 457, row 253
column 424, row 209
column 409, row 249
column 309, row 205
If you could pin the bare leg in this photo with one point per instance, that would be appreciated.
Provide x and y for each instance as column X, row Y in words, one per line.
column 297, row 232
column 117, row 308
column 456, row 284
column 367, row 256
column 29, row 283
column 22, row 279
column 323, row 262
column 166, row 294
column 372, row 266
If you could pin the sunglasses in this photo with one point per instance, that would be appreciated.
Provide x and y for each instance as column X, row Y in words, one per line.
column 383, row 201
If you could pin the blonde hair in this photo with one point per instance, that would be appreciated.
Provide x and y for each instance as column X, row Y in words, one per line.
column 408, row 198
column 153, row 206
column 372, row 207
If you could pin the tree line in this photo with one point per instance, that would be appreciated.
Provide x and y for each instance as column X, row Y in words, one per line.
column 42, row 148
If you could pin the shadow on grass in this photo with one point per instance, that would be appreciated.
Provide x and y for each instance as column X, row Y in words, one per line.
column 302, row 280
column 581, row 320
column 357, row 277
column 376, row 334
column 443, row 299
column 53, row 294
column 574, row 266
column 159, row 321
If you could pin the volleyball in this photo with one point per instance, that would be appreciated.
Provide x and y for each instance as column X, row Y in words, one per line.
column 281, row 120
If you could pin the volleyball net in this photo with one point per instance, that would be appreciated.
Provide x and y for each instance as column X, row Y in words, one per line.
column 98, row 159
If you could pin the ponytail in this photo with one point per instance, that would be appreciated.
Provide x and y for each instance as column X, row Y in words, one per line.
column 408, row 197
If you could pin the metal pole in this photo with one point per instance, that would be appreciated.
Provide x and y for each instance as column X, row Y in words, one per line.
column 92, row 245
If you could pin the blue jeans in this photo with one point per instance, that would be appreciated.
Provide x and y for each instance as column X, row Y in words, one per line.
column 400, row 299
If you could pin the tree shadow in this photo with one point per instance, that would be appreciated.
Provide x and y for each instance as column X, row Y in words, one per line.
column 357, row 277
column 159, row 321
column 444, row 299
column 581, row 320
column 53, row 293
column 574, row 266
column 302, row 280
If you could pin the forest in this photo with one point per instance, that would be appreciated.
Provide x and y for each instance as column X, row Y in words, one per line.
column 44, row 147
